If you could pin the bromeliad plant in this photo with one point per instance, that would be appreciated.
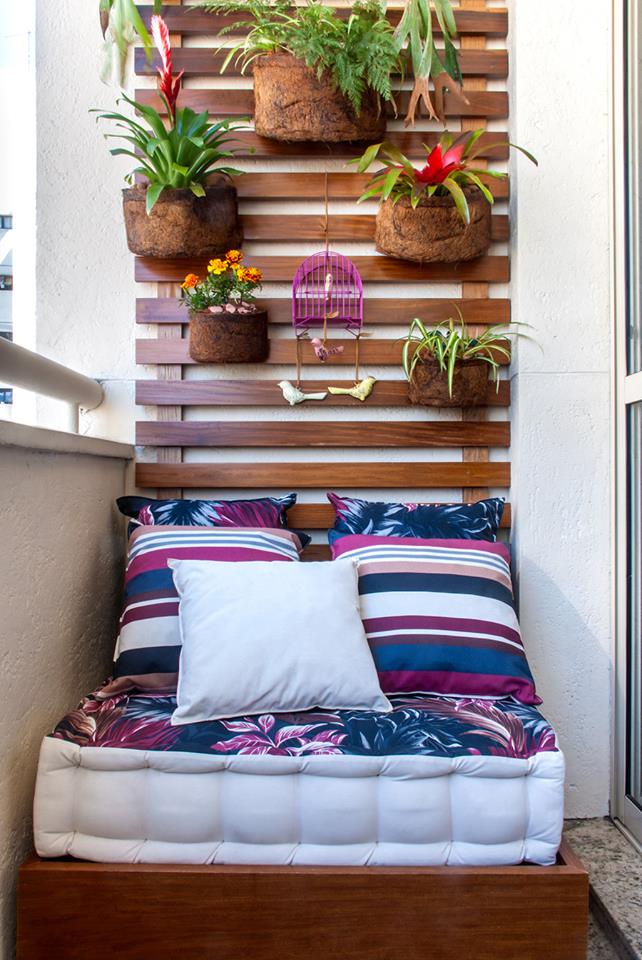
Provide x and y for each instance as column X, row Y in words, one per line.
column 358, row 53
column 451, row 343
column 181, row 153
column 228, row 282
column 450, row 167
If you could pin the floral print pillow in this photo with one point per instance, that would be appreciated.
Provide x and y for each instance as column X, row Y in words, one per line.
column 428, row 521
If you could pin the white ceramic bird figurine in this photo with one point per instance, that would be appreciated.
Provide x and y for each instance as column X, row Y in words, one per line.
column 323, row 352
column 293, row 395
column 360, row 391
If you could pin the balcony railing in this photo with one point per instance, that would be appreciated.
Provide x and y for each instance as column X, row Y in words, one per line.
column 23, row 368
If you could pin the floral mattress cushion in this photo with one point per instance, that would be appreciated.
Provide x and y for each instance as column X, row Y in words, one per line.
column 418, row 726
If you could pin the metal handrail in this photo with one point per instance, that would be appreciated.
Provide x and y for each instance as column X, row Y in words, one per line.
column 23, row 368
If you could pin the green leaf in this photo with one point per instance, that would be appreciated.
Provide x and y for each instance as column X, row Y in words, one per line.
column 154, row 191
column 459, row 197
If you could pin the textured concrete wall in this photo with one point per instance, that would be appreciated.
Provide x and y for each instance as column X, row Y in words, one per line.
column 60, row 570
column 562, row 418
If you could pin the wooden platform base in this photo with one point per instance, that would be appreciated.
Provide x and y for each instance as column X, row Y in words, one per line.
column 71, row 910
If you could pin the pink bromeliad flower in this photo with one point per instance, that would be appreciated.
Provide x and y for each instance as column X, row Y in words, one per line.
column 168, row 85
column 440, row 165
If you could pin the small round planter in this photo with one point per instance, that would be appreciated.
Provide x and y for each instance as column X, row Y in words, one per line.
column 228, row 336
column 292, row 103
column 429, row 384
column 434, row 232
column 182, row 225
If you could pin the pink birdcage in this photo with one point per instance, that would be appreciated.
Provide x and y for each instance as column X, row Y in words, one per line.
column 327, row 292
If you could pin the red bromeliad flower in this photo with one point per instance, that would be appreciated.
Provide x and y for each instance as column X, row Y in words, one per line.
column 439, row 166
column 168, row 85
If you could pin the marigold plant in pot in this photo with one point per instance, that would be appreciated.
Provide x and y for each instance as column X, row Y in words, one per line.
column 226, row 323
column 448, row 367
column 188, row 206
column 440, row 213
column 317, row 75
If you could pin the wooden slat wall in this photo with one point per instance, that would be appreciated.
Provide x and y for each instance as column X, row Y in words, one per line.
column 193, row 415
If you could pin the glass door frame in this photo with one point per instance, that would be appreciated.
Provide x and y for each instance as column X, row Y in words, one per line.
column 626, row 168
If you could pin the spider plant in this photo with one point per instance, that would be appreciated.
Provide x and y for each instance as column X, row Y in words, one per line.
column 121, row 24
column 451, row 343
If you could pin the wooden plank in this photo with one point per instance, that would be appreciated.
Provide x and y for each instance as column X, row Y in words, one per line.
column 265, row 393
column 192, row 20
column 344, row 227
column 392, row 312
column 207, row 62
column 307, row 186
column 272, row 476
column 376, row 352
column 239, row 102
column 339, row 433
column 320, row 516
column 378, row 269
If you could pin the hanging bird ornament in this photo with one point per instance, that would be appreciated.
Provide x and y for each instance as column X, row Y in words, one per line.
column 360, row 391
column 293, row 395
column 324, row 353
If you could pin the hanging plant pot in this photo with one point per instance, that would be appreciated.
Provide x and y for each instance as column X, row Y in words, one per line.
column 429, row 384
column 229, row 335
column 183, row 225
column 292, row 103
column 434, row 232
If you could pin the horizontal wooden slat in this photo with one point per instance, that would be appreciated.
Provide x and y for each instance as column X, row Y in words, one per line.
column 377, row 352
column 207, row 62
column 320, row 516
column 369, row 476
column 192, row 20
column 306, row 186
column 356, row 227
column 490, row 105
column 265, row 393
column 340, row 433
column 376, row 311
column 377, row 269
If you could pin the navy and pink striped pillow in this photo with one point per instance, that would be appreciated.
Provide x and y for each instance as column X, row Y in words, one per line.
column 440, row 616
column 149, row 644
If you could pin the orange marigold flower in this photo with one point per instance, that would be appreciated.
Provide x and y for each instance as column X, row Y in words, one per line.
column 190, row 281
column 234, row 256
column 217, row 266
column 250, row 275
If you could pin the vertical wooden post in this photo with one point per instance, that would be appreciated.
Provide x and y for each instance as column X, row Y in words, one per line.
column 474, row 454
column 173, row 331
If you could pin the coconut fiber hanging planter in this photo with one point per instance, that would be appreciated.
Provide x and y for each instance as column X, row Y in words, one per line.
column 292, row 103
column 228, row 335
column 434, row 232
column 182, row 224
column 429, row 384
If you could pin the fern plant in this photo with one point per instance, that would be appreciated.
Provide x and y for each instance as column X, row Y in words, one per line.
column 358, row 53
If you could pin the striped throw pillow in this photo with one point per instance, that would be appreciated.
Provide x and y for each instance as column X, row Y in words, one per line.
column 149, row 645
column 440, row 616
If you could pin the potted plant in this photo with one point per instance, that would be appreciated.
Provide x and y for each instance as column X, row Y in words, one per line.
column 317, row 75
column 440, row 213
column 188, row 206
column 226, row 325
column 448, row 367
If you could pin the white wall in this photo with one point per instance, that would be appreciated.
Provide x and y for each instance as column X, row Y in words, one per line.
column 60, row 570
column 560, row 76
column 562, row 418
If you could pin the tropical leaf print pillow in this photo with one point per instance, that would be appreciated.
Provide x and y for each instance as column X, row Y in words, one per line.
column 260, row 512
column 428, row 521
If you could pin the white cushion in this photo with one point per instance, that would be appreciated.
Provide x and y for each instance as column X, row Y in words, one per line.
column 271, row 637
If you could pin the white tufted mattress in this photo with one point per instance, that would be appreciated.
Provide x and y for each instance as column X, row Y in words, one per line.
column 414, row 788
